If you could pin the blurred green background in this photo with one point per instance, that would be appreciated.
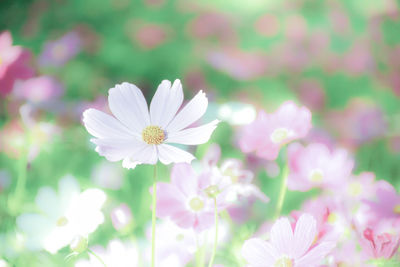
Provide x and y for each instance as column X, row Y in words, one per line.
column 339, row 58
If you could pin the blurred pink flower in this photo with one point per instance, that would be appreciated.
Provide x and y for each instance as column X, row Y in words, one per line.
column 38, row 89
column 138, row 136
column 14, row 63
column 288, row 246
column 387, row 203
column 312, row 94
column 268, row 25
column 241, row 65
column 317, row 166
column 150, row 36
column 57, row 53
column 185, row 200
column 213, row 25
column 269, row 132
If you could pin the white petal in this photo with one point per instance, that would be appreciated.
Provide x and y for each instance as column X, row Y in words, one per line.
column 147, row 154
column 102, row 125
column 128, row 104
column 193, row 136
column 259, row 253
column 304, row 235
column 47, row 201
column 190, row 113
column 316, row 255
column 115, row 149
column 282, row 236
column 68, row 188
column 169, row 154
column 165, row 103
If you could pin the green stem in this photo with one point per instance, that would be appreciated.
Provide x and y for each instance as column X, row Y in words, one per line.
column 153, row 218
column 282, row 192
column 96, row 256
column 199, row 254
column 216, row 234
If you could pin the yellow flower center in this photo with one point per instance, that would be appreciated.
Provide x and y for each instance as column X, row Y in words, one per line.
column 279, row 135
column 396, row 209
column 196, row 204
column 316, row 176
column 355, row 189
column 1, row 61
column 62, row 221
column 153, row 135
column 283, row 262
column 180, row 237
column 332, row 218
column 232, row 175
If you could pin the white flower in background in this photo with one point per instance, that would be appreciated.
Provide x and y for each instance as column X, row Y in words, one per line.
column 117, row 254
column 62, row 216
column 236, row 113
column 139, row 136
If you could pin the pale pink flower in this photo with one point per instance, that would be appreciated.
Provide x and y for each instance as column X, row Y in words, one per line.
column 38, row 89
column 288, row 246
column 387, row 203
column 138, row 136
column 13, row 63
column 269, row 132
column 316, row 166
column 185, row 200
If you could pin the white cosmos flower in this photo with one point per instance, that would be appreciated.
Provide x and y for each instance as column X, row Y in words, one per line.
column 139, row 136
column 62, row 216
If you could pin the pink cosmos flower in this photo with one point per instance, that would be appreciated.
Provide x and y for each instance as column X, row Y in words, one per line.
column 185, row 200
column 13, row 63
column 38, row 89
column 317, row 166
column 288, row 246
column 269, row 132
column 138, row 136
column 387, row 203
column 57, row 53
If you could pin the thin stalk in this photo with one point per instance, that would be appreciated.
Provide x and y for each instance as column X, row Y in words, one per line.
column 282, row 192
column 153, row 218
column 96, row 256
column 216, row 234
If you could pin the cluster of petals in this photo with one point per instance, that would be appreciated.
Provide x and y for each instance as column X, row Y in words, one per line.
column 269, row 132
column 138, row 135
column 14, row 63
column 317, row 166
column 237, row 181
column 287, row 246
column 62, row 216
column 186, row 200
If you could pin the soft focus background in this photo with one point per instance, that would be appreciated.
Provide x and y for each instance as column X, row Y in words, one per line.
column 341, row 59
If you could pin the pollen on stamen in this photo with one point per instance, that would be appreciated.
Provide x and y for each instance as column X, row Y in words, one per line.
column 279, row 135
column 153, row 135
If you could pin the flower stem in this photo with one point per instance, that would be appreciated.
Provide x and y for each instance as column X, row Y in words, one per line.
column 216, row 234
column 153, row 218
column 96, row 256
column 282, row 192
column 199, row 253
